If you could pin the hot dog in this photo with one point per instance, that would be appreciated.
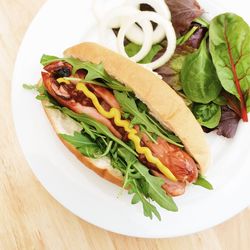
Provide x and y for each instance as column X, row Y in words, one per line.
column 96, row 94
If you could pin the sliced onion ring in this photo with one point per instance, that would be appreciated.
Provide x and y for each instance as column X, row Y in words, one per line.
column 148, row 33
column 169, row 31
column 158, row 5
column 135, row 34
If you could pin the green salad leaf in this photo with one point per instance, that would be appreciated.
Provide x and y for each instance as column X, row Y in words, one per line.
column 247, row 97
column 198, row 76
column 83, row 144
column 155, row 190
column 78, row 140
column 100, row 128
column 150, row 185
column 30, row 86
column 94, row 71
column 170, row 71
column 202, row 22
column 230, row 49
column 220, row 100
column 208, row 115
column 148, row 209
column 229, row 43
column 132, row 49
column 47, row 59
column 181, row 40
column 201, row 181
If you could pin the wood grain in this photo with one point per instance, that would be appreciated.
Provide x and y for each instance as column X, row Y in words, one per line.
column 30, row 218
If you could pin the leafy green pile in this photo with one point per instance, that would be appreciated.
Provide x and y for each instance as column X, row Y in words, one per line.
column 210, row 74
column 224, row 64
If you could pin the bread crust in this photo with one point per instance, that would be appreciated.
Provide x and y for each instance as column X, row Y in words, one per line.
column 164, row 104
column 104, row 172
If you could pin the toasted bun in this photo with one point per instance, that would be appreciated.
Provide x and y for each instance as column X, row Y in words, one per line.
column 165, row 105
column 64, row 125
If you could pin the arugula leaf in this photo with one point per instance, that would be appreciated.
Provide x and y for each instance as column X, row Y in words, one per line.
column 96, row 71
column 107, row 150
column 201, row 181
column 100, row 128
column 202, row 22
column 78, row 140
column 152, row 137
column 181, row 40
column 117, row 163
column 29, row 86
column 132, row 49
column 155, row 189
column 47, row 59
column 148, row 209
column 208, row 115
column 129, row 105
column 164, row 131
column 43, row 94
column 87, row 130
column 83, row 144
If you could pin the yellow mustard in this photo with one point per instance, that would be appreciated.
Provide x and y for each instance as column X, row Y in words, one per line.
column 62, row 80
column 116, row 114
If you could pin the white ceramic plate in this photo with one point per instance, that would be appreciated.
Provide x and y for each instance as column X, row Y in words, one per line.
column 58, row 25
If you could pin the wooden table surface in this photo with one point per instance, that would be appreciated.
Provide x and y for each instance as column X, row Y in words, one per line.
column 29, row 217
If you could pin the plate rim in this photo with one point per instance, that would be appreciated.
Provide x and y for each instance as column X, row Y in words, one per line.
column 47, row 188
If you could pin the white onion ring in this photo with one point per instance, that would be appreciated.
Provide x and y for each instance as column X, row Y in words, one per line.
column 169, row 31
column 158, row 5
column 148, row 33
column 113, row 19
column 135, row 34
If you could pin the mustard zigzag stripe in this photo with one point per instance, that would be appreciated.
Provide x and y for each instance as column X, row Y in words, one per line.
column 116, row 114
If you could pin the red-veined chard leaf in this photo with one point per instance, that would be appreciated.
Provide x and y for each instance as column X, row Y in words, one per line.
column 230, row 49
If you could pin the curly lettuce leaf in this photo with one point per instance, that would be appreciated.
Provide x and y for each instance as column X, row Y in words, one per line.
column 208, row 115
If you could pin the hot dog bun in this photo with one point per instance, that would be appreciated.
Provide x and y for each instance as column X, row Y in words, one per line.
column 165, row 105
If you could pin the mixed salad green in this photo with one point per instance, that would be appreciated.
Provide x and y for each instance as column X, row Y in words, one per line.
column 210, row 69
